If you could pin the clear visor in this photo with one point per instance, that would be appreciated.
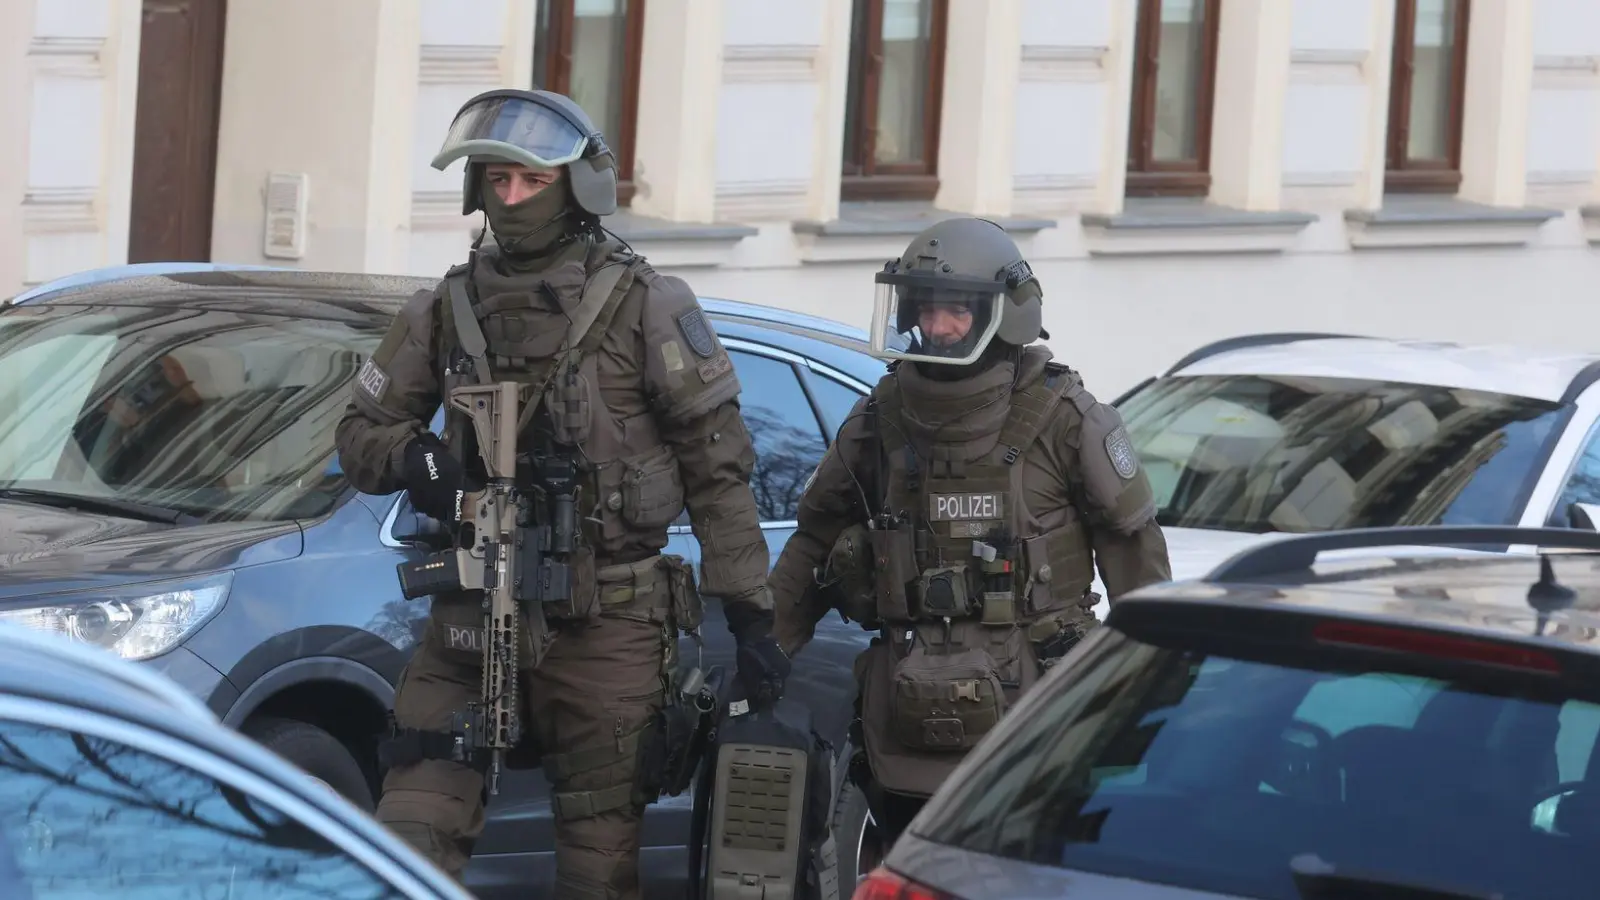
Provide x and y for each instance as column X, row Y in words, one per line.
column 923, row 323
column 514, row 129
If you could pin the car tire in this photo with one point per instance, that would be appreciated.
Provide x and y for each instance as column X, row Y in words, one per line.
column 859, row 848
column 316, row 752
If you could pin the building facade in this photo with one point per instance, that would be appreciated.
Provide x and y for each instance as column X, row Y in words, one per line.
column 1177, row 170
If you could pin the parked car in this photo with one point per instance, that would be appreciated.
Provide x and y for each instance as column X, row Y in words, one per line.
column 1265, row 434
column 169, row 490
column 115, row 782
column 1290, row 727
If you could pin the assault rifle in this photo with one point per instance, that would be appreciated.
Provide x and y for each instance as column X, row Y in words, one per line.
column 495, row 550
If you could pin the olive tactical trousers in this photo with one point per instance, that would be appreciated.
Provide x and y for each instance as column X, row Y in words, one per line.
column 597, row 687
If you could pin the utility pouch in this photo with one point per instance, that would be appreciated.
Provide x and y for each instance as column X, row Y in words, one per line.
column 569, row 404
column 942, row 593
column 945, row 698
column 688, row 608
column 584, row 602
column 851, row 573
column 894, row 557
column 652, row 489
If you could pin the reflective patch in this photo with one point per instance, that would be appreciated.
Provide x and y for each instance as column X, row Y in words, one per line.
column 463, row 637
column 697, row 331
column 672, row 355
column 1120, row 449
column 715, row 368
column 955, row 507
column 373, row 379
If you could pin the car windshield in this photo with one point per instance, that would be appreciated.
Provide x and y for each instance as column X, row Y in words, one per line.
column 1225, row 771
column 1261, row 453
column 222, row 415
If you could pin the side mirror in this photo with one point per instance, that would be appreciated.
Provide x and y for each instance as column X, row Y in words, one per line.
column 1584, row 515
column 416, row 528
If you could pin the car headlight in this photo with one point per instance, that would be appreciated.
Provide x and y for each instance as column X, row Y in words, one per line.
column 135, row 621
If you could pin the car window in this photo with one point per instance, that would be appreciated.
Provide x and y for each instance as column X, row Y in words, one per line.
column 1583, row 485
column 227, row 415
column 788, row 439
column 1297, row 454
column 1211, row 770
column 836, row 400
column 86, row 818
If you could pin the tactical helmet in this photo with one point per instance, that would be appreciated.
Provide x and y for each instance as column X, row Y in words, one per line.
column 960, row 284
column 538, row 129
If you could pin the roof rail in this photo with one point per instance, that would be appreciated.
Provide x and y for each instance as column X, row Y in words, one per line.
column 108, row 664
column 1299, row 552
column 1244, row 341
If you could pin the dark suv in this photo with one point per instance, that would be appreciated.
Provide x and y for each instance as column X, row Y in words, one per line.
column 169, row 490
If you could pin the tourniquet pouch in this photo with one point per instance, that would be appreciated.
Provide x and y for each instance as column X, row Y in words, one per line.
column 688, row 610
column 945, row 696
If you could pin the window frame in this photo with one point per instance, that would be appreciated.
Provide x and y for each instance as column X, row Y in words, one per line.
column 206, row 762
column 1148, row 177
column 557, row 77
column 861, row 177
column 1402, row 174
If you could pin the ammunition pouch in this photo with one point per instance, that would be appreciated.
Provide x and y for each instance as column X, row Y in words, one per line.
column 1059, row 569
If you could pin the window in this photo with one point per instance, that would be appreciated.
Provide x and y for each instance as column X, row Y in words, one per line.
column 834, row 399
column 788, row 441
column 1583, row 485
column 1427, row 84
column 590, row 51
column 225, row 415
column 891, row 127
column 82, row 816
column 1210, row 760
column 1174, row 72
column 1257, row 453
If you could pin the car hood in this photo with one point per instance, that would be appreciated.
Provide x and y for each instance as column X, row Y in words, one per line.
column 46, row 551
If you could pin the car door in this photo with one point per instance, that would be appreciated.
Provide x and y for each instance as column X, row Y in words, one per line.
column 92, row 806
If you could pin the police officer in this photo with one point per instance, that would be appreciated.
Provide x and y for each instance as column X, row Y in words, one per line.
column 647, row 410
column 960, row 514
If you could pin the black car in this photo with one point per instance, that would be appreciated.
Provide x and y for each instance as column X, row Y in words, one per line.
column 117, row 783
column 169, row 489
column 1360, row 713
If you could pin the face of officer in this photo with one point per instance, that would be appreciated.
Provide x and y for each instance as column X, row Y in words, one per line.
column 515, row 183
column 945, row 324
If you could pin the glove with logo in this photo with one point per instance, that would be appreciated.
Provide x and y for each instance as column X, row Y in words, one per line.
column 763, row 667
column 437, row 483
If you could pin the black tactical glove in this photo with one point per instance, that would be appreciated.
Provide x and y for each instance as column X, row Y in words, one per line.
column 763, row 667
column 438, row 484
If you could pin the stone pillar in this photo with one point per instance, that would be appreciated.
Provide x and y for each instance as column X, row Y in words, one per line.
column 339, row 110
column 977, row 132
column 680, row 82
column 16, row 90
column 1494, row 128
column 1247, row 120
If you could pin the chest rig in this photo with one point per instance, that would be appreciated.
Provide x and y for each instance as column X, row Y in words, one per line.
column 954, row 539
column 553, row 407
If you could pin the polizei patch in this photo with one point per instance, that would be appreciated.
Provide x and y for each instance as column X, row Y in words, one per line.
column 463, row 637
column 373, row 379
column 966, row 507
column 1120, row 449
column 697, row 333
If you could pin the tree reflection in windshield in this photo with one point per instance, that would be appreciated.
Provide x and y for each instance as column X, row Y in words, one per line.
column 88, row 818
column 228, row 414
column 785, row 456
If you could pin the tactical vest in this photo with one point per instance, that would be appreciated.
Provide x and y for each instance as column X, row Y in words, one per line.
column 954, row 539
column 629, row 479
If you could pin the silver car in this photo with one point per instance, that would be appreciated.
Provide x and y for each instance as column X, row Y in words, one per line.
column 1389, row 725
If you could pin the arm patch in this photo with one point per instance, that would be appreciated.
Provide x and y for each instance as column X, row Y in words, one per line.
column 697, row 333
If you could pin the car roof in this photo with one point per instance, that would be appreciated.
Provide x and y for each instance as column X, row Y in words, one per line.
column 1419, row 575
column 349, row 295
column 42, row 667
column 1543, row 374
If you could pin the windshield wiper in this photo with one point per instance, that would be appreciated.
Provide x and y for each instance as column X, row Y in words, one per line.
column 130, row 509
column 1316, row 879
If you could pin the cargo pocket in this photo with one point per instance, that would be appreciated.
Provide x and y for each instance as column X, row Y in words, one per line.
column 652, row 489
column 688, row 610
column 945, row 698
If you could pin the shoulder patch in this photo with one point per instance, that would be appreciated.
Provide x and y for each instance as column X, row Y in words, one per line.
column 1123, row 459
column 373, row 380
column 697, row 333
